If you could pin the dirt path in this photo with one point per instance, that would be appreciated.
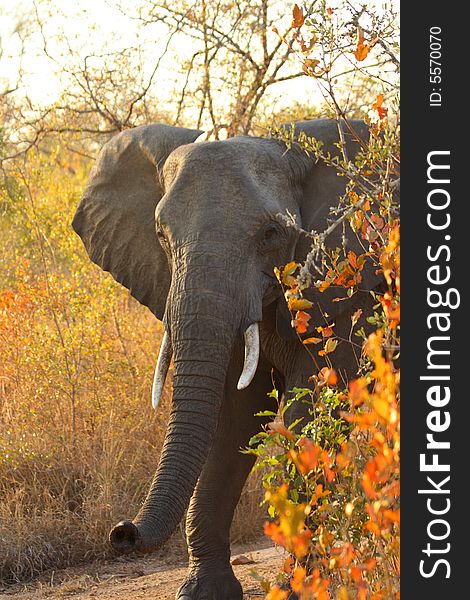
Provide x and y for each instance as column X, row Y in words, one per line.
column 144, row 578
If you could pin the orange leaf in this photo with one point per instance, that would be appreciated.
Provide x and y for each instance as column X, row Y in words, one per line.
column 370, row 564
column 329, row 473
column 352, row 259
column 362, row 50
column 311, row 63
column 275, row 593
column 298, row 16
column 273, row 531
column 343, row 593
column 324, row 285
column 327, row 376
column 307, row 459
column 312, row 340
column 288, row 565
column 356, row 573
column 298, row 578
column 288, row 271
column 301, row 321
column 378, row 221
column 378, row 107
column 326, row 331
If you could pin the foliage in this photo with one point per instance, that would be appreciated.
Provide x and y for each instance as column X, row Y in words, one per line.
column 333, row 483
column 78, row 439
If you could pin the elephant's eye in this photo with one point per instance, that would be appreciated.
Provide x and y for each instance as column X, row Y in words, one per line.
column 270, row 233
column 270, row 237
column 162, row 239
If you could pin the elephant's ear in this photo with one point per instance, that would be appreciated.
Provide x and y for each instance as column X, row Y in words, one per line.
column 321, row 190
column 116, row 216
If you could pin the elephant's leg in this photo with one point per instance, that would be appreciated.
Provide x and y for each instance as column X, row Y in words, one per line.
column 218, row 490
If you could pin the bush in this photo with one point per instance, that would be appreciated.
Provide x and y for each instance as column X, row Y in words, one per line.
column 333, row 487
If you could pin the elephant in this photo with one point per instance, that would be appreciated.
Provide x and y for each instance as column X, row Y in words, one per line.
column 192, row 229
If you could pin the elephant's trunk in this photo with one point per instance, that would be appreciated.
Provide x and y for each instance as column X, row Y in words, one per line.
column 203, row 326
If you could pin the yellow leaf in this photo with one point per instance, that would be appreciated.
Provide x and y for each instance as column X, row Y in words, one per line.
column 324, row 285
column 382, row 408
column 298, row 303
column 287, row 273
column 343, row 593
column 275, row 593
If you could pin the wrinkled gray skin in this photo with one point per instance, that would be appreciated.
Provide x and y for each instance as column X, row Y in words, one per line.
column 191, row 230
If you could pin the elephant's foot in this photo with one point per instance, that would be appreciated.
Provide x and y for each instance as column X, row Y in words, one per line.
column 211, row 584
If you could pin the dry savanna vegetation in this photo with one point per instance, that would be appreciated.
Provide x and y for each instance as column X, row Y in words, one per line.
column 79, row 441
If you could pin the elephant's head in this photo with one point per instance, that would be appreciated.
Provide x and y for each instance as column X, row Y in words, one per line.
column 192, row 230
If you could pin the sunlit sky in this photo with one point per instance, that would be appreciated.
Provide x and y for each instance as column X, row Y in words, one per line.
column 89, row 25
column 94, row 25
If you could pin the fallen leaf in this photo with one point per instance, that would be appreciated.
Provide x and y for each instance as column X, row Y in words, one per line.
column 242, row 560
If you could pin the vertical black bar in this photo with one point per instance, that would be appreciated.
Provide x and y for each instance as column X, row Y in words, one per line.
column 434, row 120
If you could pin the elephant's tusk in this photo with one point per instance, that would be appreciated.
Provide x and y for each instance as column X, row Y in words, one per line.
column 251, row 356
column 163, row 362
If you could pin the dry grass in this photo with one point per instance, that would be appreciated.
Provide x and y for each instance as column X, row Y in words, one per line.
column 59, row 498
column 62, row 488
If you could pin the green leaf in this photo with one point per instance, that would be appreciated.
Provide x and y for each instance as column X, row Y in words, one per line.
column 301, row 392
column 296, row 422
